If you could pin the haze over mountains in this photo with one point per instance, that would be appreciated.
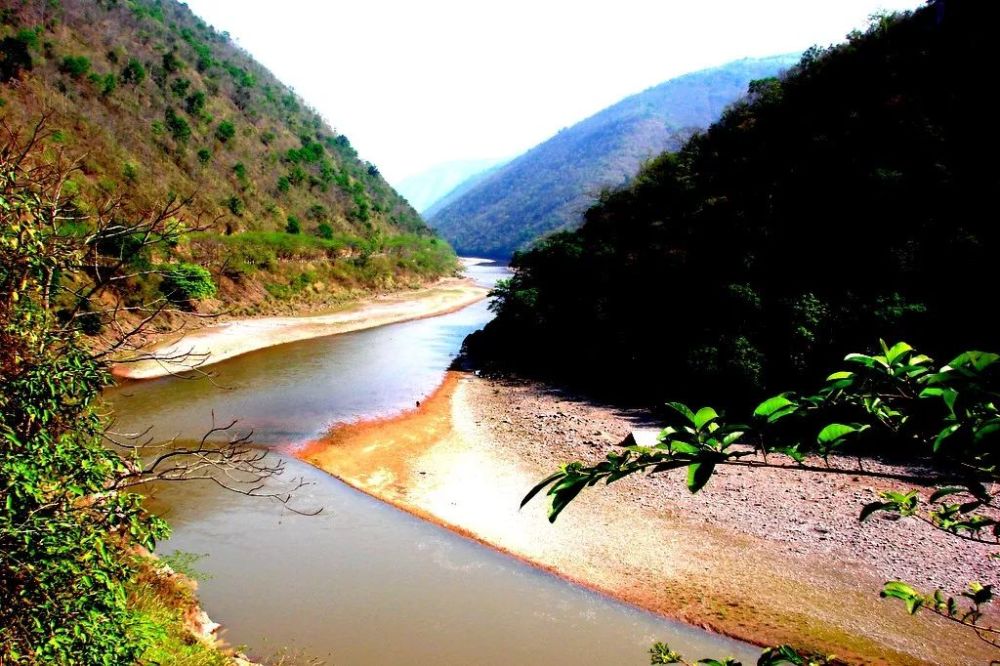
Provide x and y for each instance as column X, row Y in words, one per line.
column 430, row 186
column 549, row 187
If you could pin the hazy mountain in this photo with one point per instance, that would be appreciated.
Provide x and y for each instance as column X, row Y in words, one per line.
column 426, row 188
column 461, row 189
column 550, row 186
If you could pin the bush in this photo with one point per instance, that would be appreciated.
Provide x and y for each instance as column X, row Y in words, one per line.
column 63, row 535
column 75, row 66
column 293, row 226
column 317, row 212
column 225, row 131
column 324, row 230
column 204, row 155
column 187, row 282
column 130, row 172
column 133, row 72
column 108, row 83
column 179, row 128
column 235, row 206
column 14, row 58
column 195, row 103
column 179, row 87
column 171, row 62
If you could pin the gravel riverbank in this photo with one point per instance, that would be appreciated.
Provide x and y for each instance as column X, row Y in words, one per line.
column 769, row 556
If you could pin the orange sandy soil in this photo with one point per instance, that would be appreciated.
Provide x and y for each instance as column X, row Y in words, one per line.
column 747, row 557
column 213, row 344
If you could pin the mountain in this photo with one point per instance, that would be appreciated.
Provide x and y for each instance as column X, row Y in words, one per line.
column 460, row 189
column 155, row 103
column 425, row 189
column 839, row 204
column 549, row 187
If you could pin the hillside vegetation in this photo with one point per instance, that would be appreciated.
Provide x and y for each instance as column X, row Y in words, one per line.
column 841, row 203
column 549, row 187
column 156, row 106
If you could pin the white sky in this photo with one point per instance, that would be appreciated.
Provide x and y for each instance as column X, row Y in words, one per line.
column 414, row 83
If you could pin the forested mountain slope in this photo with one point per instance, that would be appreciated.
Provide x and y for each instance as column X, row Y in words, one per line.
column 846, row 201
column 154, row 103
column 549, row 187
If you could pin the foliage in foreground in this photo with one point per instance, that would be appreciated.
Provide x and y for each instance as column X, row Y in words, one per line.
column 783, row 655
column 65, row 532
column 73, row 529
column 890, row 403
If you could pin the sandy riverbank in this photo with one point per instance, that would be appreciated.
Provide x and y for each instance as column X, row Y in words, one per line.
column 776, row 557
column 217, row 343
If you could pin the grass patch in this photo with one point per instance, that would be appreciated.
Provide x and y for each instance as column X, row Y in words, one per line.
column 166, row 600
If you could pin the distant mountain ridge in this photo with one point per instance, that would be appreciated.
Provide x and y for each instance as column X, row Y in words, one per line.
column 425, row 189
column 549, row 187
column 459, row 190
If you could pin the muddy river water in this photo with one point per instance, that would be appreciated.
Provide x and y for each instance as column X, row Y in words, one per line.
column 362, row 582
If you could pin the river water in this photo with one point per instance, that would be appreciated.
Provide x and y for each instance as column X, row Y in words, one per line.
column 362, row 582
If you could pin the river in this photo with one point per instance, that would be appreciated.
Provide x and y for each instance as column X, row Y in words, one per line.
column 363, row 582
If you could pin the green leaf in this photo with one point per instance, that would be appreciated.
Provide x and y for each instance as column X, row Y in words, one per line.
column 732, row 437
column 843, row 374
column 772, row 405
column 871, row 508
column 945, row 434
column 975, row 360
column 698, row 475
column 704, row 416
column 948, row 395
column 561, row 499
column 944, row 492
column 539, row 487
column 677, row 446
column 836, row 432
column 899, row 590
column 897, row 351
column 683, row 410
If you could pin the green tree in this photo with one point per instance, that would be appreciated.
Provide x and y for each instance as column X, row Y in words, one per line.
column 177, row 125
column 14, row 58
column 225, row 131
column 64, row 530
column 293, row 226
column 195, row 103
column 75, row 66
column 133, row 73
column 187, row 282
column 71, row 521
